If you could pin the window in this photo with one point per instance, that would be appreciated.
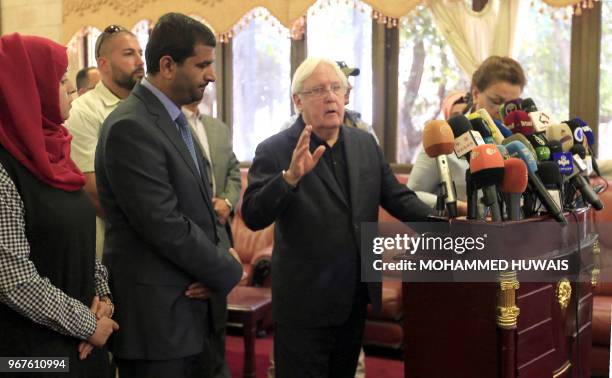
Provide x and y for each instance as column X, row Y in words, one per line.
column 343, row 32
column 605, row 83
column 261, row 81
column 427, row 73
column 543, row 47
column 142, row 30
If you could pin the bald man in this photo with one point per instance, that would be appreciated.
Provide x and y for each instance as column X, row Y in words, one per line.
column 121, row 66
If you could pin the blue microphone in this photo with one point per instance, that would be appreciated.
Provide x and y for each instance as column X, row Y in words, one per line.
column 519, row 150
column 502, row 128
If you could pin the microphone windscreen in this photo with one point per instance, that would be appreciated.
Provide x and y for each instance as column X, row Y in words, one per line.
column 542, row 153
column 521, row 138
column 554, row 146
column 537, row 140
column 515, row 176
column 563, row 134
column 459, row 124
column 509, row 106
column 588, row 132
column 486, row 166
column 502, row 128
column 518, row 121
column 519, row 150
column 480, row 125
column 577, row 131
column 438, row 138
column 578, row 149
column 503, row 151
column 528, row 105
column 550, row 175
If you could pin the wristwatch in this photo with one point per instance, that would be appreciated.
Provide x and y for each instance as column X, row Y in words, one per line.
column 228, row 203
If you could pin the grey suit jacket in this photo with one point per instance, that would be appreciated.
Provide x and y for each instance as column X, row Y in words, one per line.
column 160, row 232
column 226, row 169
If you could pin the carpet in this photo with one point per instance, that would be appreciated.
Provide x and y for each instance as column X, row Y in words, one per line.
column 377, row 365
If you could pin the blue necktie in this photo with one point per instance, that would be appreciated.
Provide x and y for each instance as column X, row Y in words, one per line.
column 183, row 125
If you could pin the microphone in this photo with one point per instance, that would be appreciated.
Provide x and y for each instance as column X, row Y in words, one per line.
column 509, row 106
column 563, row 134
column 541, row 120
column 503, row 151
column 518, row 149
column 521, row 138
column 590, row 140
column 513, row 185
column 479, row 125
column 502, row 128
column 552, row 179
column 588, row 132
column 564, row 160
column 579, row 150
column 582, row 184
column 438, row 142
column 539, row 144
column 487, row 168
column 528, row 105
column 466, row 139
column 519, row 122
column 577, row 131
column 495, row 133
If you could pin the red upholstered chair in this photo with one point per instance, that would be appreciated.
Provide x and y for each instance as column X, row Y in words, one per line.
column 253, row 247
column 384, row 329
column 602, row 296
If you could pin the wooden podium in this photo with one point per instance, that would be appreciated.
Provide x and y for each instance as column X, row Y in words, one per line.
column 509, row 328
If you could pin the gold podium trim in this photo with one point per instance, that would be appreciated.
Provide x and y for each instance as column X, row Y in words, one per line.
column 564, row 293
column 507, row 311
column 563, row 369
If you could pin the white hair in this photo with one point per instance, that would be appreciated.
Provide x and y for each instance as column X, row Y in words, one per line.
column 306, row 68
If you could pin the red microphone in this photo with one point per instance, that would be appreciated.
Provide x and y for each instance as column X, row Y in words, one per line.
column 518, row 121
column 513, row 185
column 439, row 141
column 487, row 169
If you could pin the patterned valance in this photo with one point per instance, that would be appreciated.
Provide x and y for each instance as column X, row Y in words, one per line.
column 223, row 15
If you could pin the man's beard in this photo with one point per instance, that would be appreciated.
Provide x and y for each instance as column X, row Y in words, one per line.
column 125, row 81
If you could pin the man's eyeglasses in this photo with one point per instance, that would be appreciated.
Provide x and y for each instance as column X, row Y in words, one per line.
column 321, row 91
column 110, row 30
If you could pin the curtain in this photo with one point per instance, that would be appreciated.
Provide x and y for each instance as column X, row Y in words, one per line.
column 474, row 36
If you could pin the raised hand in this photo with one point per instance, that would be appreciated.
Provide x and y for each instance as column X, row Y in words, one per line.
column 302, row 160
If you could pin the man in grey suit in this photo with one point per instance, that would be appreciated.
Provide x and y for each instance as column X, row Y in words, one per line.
column 161, row 229
column 214, row 139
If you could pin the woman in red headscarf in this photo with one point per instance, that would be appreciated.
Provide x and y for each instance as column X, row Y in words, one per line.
column 54, row 298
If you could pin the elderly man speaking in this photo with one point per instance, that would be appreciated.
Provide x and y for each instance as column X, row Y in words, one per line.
column 319, row 301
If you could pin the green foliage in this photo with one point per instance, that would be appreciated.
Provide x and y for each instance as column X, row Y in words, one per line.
column 545, row 56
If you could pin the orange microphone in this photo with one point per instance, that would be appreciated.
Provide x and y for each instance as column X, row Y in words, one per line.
column 487, row 168
column 513, row 185
column 439, row 141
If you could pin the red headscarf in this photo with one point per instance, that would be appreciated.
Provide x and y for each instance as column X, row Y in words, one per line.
column 30, row 118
